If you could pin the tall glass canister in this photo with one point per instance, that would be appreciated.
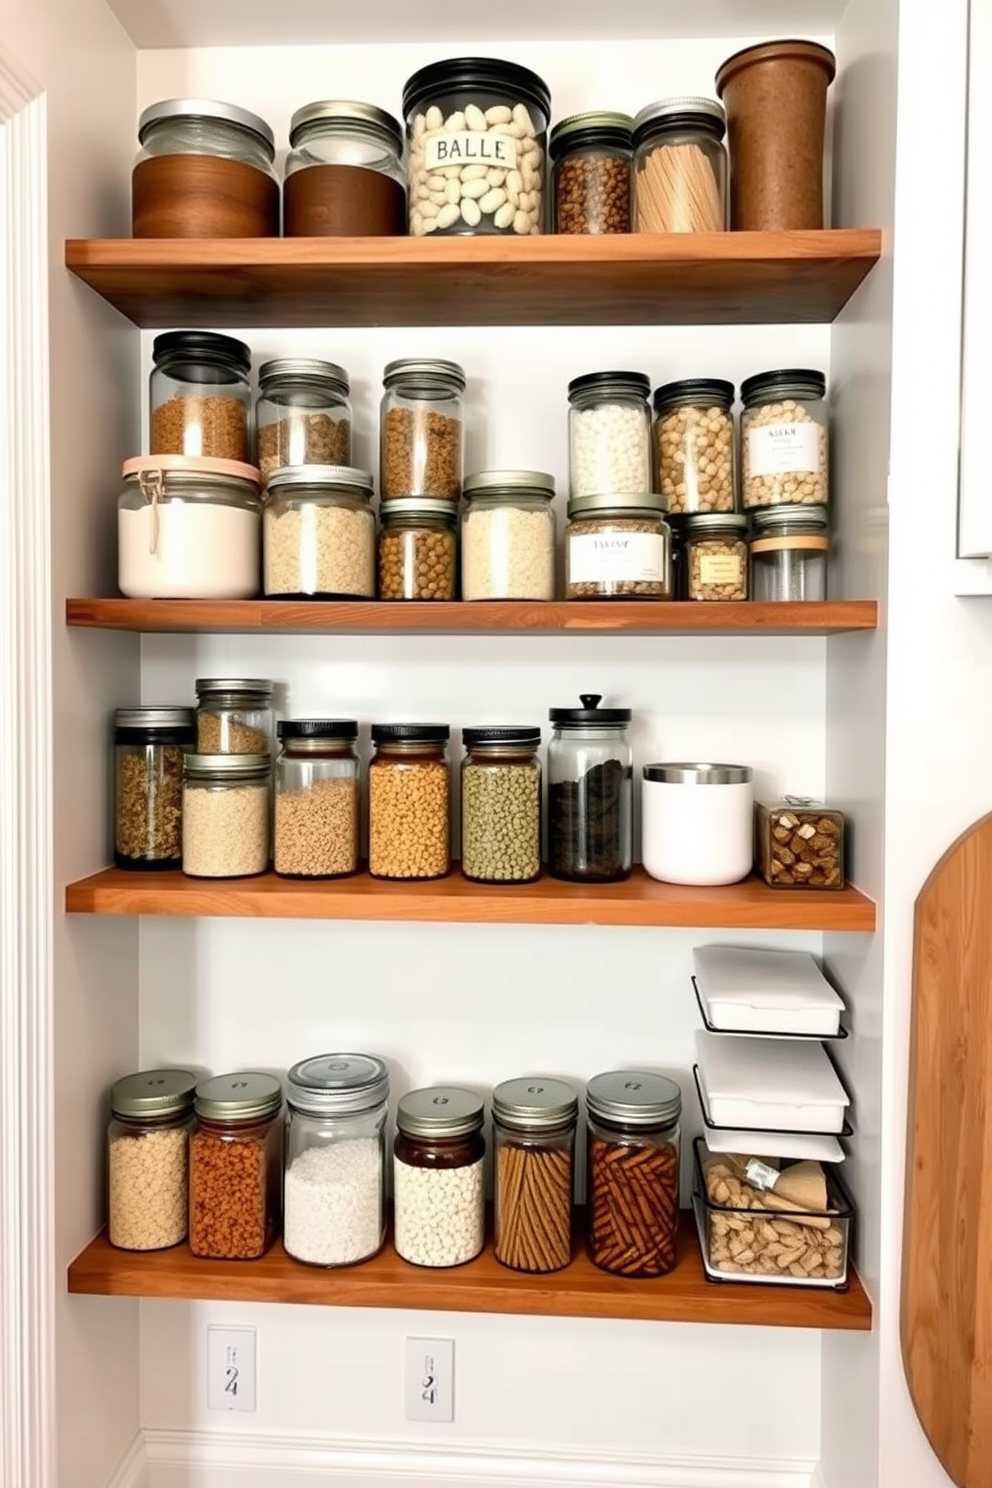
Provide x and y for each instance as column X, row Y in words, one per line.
column 590, row 792
column 501, row 804
column 148, row 1159
column 422, row 429
column 410, row 801
column 235, row 1179
column 149, row 748
column 609, row 434
column 534, row 1142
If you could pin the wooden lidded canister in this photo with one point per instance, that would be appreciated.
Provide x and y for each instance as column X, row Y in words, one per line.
column 344, row 172
column 206, row 170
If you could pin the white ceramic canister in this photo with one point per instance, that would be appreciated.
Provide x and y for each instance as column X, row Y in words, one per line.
column 697, row 823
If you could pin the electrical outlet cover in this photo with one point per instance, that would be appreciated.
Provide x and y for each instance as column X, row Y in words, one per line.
column 430, row 1379
column 231, row 1369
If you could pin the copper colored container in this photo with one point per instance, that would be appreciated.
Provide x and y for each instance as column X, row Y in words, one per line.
column 776, row 99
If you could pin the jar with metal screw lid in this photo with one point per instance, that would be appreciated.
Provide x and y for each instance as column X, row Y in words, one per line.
column 439, row 1206
column 205, row 170
column 200, row 396
column 422, row 429
column 334, row 1208
column 632, row 1185
column 344, row 174
column 715, row 556
column 234, row 715
column 785, row 439
column 418, row 544
column 149, row 746
column 508, row 535
column 303, row 414
column 789, row 549
column 409, row 801
column 590, row 792
column 680, row 167
column 318, row 533
column 148, row 1159
column 317, row 798
column 534, row 1143
column 235, row 1174
column 694, row 444
column 226, row 812
column 618, row 547
column 501, row 805
column 609, row 434
column 591, row 155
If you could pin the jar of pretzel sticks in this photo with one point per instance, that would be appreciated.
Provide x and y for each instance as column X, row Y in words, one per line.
column 633, row 1172
column 680, row 167
column 534, row 1140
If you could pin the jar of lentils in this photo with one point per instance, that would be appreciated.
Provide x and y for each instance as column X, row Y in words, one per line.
column 680, row 167
column 149, row 746
column 790, row 547
column 234, row 715
column 618, row 547
column 235, row 1171
column 226, row 809
column 715, row 556
column 303, row 414
column 409, row 801
column 318, row 533
column 317, row 797
column 508, row 535
column 501, row 805
column 148, row 1159
column 200, row 396
column 609, row 434
column 418, row 542
column 694, row 444
column 334, row 1190
column 534, row 1142
column 632, row 1182
column 785, row 439
column 422, row 429
column 439, row 1208
column 591, row 155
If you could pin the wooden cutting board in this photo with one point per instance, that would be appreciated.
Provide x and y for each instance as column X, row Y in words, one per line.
column 947, row 1237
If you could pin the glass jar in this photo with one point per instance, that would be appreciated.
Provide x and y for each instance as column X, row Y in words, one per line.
column 632, row 1183
column 318, row 533
column 591, row 155
column 534, row 1143
column 715, row 556
column 799, row 844
column 233, row 715
column 694, row 444
column 200, row 396
column 789, row 551
column 317, row 798
column 618, row 547
column 188, row 529
column 344, row 174
column 303, row 414
column 438, row 1202
column 149, row 745
column 418, row 544
column 148, row 1159
column 609, row 434
column 680, row 167
column 409, row 801
column 590, row 792
column 422, row 429
column 501, row 805
column 508, row 535
column 476, row 139
column 235, row 1170
column 205, row 170
column 785, row 439
column 334, row 1205
column 226, row 814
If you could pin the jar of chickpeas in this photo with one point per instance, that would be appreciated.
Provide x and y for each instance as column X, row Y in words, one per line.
column 417, row 549
column 714, row 556
column 784, row 439
column 409, row 801
column 694, row 444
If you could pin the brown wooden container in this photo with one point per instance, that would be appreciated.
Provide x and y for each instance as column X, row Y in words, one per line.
column 342, row 201
column 202, row 196
column 776, row 96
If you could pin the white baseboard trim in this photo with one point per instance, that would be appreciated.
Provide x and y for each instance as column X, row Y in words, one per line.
column 132, row 1471
column 213, row 1459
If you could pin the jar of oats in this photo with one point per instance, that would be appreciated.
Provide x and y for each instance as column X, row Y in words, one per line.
column 618, row 547
column 233, row 715
column 318, row 533
column 148, row 1159
column 784, row 439
column 226, row 810
column 316, row 786
column 694, row 444
column 303, row 414
column 409, row 801
column 715, row 555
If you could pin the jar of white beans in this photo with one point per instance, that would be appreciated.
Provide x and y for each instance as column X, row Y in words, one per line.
column 680, row 167
column 439, row 1208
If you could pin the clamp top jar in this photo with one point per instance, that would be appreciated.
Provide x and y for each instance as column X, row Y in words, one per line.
column 422, row 429
column 609, row 434
column 200, row 396
column 592, row 154
column 344, row 173
column 785, row 438
column 303, row 414
column 680, row 166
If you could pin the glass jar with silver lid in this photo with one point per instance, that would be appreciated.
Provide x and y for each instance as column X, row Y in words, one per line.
column 422, row 427
column 680, row 167
column 632, row 1185
column 790, row 548
column 226, row 811
column 697, row 822
column 318, row 533
column 235, row 1171
column 344, row 172
column 334, row 1188
column 534, row 1143
column 234, row 715
column 303, row 414
column 148, row 1159
column 508, row 535
column 618, row 547
column 437, row 1176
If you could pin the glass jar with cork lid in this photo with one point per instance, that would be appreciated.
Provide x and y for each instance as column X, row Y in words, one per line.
column 148, row 1159
column 422, row 429
column 632, row 1184
column 235, row 1178
column 534, row 1142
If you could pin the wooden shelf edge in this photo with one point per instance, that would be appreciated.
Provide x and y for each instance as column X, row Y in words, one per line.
column 481, row 1286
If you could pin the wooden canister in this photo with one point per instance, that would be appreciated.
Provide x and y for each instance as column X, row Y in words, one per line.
column 342, row 201
column 202, row 196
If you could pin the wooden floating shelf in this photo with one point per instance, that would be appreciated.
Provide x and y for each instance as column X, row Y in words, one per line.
column 737, row 278
column 564, row 617
column 580, row 1290
column 640, row 900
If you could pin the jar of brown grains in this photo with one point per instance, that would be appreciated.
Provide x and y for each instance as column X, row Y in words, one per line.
column 233, row 715
column 149, row 745
column 235, row 1178
column 591, row 155
column 409, row 801
column 632, row 1184
column 422, row 429
column 317, row 797
column 318, row 533
column 148, row 1159
column 303, row 414
column 200, row 396
column 715, row 556
column 417, row 549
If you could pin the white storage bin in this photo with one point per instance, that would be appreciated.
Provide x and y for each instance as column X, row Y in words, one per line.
column 758, row 991
column 769, row 1084
column 697, row 823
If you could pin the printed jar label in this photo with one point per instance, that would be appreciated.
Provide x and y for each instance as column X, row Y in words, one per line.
column 597, row 557
column 781, row 449
column 720, row 568
column 470, row 147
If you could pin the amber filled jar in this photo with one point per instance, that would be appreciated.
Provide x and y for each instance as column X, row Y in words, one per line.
column 439, row 1208
column 680, row 167
column 344, row 174
column 591, row 155
column 632, row 1184
column 148, row 1159
column 235, row 1179
column 317, row 798
column 422, row 429
column 149, row 746
column 715, row 556
column 200, row 396
column 409, row 801
column 303, row 414
column 418, row 548
column 534, row 1140
column 501, row 804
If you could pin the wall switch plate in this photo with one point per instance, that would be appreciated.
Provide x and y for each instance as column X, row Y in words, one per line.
column 429, row 1389
column 231, row 1369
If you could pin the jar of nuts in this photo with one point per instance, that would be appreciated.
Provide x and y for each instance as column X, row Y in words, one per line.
column 784, row 439
column 417, row 549
column 694, row 444
column 148, row 1159
column 235, row 1168
column 200, row 396
column 609, row 434
column 317, row 791
column 632, row 1182
column 303, row 414
column 591, row 154
column 789, row 550
column 409, row 801
column 149, row 746
column 618, row 547
column 421, row 430
column 318, row 533
column 799, row 844
column 501, row 805
column 715, row 556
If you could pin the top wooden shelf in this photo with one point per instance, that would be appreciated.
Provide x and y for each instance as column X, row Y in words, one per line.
column 637, row 279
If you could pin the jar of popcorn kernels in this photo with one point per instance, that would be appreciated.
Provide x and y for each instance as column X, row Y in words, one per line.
column 784, row 439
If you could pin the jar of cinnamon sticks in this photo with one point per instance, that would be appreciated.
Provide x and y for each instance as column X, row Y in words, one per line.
column 680, row 167
column 534, row 1137
column 633, row 1172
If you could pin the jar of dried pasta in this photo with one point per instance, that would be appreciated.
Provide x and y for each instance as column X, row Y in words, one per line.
column 715, row 556
column 694, row 444
column 618, row 547
column 785, row 439
column 680, row 167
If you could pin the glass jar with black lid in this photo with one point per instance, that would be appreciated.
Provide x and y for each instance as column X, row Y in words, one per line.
column 409, row 801
column 785, row 439
column 680, row 167
column 200, row 396
column 303, row 414
column 632, row 1183
column 148, row 1159
column 344, row 174
column 609, row 434
column 501, row 804
column 317, row 798
column 149, row 748
column 439, row 1206
column 694, row 445
column 590, row 792
column 534, row 1144
column 591, row 155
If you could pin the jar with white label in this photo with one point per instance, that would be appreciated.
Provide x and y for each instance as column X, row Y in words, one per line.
column 785, row 439
column 714, row 556
column 618, row 547
column 697, row 823
column 789, row 551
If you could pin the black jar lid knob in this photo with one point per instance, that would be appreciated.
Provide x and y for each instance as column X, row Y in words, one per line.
column 590, row 700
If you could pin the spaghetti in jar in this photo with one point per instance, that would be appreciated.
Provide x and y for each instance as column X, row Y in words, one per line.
column 680, row 167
